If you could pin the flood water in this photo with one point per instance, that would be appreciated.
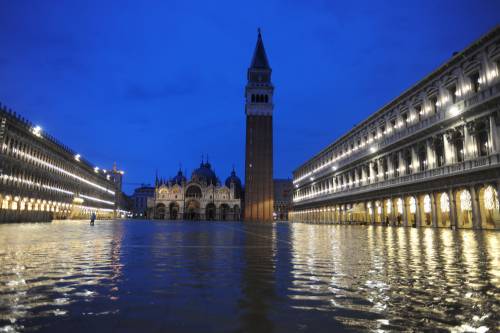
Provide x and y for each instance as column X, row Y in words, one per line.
column 130, row 276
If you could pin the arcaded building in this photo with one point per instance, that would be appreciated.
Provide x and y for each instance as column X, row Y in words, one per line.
column 428, row 158
column 42, row 179
column 202, row 197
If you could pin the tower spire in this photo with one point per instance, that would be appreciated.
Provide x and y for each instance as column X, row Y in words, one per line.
column 259, row 59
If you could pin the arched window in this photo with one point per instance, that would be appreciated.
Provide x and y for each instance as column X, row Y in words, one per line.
column 253, row 98
column 266, row 98
column 400, row 206
column 427, row 204
column 193, row 192
column 445, row 203
column 413, row 205
column 490, row 198
column 465, row 200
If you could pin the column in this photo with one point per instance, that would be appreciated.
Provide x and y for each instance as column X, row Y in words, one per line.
column 493, row 135
column 390, row 167
column 453, row 209
column 431, row 156
column 372, row 172
column 476, row 211
column 401, row 163
column 448, row 150
column 380, row 170
column 363, row 174
column 414, row 160
column 418, row 213
column 434, row 209
column 405, row 212
column 469, row 151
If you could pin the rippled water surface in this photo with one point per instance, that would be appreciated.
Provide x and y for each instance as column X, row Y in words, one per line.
column 129, row 276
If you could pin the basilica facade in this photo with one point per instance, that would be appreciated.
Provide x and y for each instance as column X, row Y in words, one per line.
column 202, row 197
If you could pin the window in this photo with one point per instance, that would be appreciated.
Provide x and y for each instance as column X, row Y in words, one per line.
column 405, row 118
column 418, row 110
column 452, row 90
column 433, row 104
column 253, row 98
column 474, row 82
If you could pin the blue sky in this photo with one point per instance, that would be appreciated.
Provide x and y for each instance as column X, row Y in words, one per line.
column 151, row 84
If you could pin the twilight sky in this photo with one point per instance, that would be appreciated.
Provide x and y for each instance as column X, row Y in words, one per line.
column 151, row 84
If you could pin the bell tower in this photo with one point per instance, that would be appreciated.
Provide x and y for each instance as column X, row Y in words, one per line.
column 259, row 138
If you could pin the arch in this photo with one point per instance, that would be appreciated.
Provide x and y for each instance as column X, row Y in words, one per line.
column 427, row 210
column 173, row 210
column 464, row 208
column 210, row 212
column 192, row 211
column 160, row 211
column 443, row 215
column 193, row 191
column 224, row 212
column 489, row 206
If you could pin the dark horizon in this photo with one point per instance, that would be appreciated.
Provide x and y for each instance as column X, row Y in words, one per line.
column 151, row 88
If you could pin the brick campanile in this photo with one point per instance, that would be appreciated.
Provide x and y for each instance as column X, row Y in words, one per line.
column 259, row 138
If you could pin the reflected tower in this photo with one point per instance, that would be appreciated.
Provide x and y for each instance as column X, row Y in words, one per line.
column 259, row 138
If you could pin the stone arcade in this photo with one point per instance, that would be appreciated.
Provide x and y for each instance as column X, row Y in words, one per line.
column 431, row 157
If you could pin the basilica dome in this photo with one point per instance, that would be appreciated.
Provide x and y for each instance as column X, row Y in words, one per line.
column 205, row 173
column 237, row 183
column 179, row 178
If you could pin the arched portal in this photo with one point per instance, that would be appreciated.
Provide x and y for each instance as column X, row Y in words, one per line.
column 160, row 211
column 193, row 191
column 192, row 211
column 224, row 212
column 210, row 212
column 174, row 211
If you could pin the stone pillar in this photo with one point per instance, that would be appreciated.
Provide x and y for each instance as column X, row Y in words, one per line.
column 434, row 209
column 405, row 212
column 469, row 151
column 418, row 213
column 453, row 209
column 401, row 163
column 414, row 160
column 476, row 211
column 431, row 156
column 390, row 167
column 380, row 175
column 371, row 175
column 384, row 212
column 493, row 135
column 448, row 150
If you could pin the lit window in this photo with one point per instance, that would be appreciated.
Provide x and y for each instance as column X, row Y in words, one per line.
column 465, row 201
column 490, row 198
column 445, row 203
column 413, row 205
column 427, row 204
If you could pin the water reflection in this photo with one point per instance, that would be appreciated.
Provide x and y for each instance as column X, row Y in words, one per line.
column 235, row 277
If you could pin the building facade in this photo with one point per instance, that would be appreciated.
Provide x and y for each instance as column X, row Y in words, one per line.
column 259, row 138
column 42, row 179
column 283, row 191
column 202, row 197
column 428, row 158
column 140, row 200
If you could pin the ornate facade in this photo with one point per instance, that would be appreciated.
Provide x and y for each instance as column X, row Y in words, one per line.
column 42, row 179
column 202, row 197
column 431, row 157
